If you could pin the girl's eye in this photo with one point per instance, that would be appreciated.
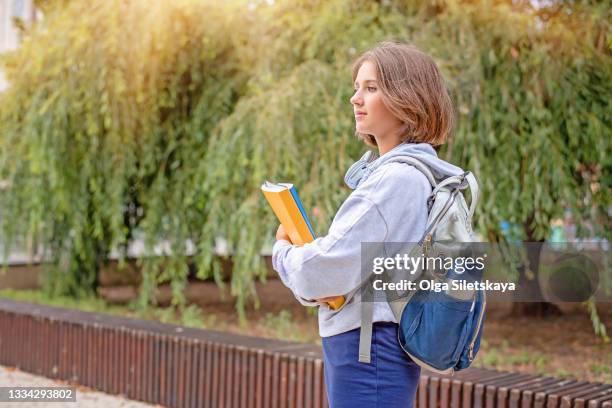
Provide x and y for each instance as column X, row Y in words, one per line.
column 369, row 88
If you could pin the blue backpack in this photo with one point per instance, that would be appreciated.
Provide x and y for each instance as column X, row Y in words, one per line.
column 440, row 330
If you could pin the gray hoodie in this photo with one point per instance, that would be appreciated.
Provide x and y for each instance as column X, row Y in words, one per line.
column 388, row 204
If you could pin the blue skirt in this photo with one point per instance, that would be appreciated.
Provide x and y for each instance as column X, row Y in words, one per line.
column 390, row 380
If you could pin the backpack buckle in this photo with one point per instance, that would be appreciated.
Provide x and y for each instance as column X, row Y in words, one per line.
column 427, row 244
column 463, row 183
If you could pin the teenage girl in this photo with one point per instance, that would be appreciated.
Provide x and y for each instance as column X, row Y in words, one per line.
column 401, row 107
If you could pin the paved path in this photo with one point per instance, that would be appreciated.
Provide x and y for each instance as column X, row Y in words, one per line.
column 85, row 398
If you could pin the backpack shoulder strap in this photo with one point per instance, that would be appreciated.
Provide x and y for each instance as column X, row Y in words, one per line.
column 422, row 167
column 365, row 333
column 464, row 180
column 474, row 192
column 466, row 176
column 367, row 307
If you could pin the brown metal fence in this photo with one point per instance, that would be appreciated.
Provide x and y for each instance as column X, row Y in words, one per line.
column 180, row 367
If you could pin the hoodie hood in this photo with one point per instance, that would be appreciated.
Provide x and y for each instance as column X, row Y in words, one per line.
column 362, row 168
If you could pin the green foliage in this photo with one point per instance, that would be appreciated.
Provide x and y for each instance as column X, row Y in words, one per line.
column 281, row 326
column 103, row 127
column 89, row 304
column 161, row 119
column 189, row 316
column 533, row 111
column 598, row 326
column 601, row 368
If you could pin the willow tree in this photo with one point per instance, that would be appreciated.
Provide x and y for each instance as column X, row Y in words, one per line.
column 530, row 89
column 167, row 118
column 104, row 126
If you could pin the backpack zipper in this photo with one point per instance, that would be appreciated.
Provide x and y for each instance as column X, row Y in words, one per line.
column 480, row 317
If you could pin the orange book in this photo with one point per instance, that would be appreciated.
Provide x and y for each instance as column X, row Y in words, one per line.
column 286, row 204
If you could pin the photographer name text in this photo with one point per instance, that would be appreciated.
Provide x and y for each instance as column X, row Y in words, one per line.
column 436, row 286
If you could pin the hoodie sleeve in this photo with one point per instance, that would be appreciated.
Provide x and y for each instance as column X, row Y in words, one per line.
column 331, row 265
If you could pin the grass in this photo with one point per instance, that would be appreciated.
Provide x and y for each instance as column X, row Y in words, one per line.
column 279, row 325
column 506, row 357
column 92, row 304
column 191, row 316
column 602, row 368
column 502, row 357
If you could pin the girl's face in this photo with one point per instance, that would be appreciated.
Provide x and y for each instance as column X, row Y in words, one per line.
column 371, row 115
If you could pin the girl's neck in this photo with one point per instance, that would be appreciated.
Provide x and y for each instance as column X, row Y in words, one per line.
column 385, row 144
column 385, row 148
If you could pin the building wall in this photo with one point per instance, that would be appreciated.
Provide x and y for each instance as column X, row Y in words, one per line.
column 9, row 34
column 9, row 40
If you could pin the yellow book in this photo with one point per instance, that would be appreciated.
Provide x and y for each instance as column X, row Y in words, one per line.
column 286, row 204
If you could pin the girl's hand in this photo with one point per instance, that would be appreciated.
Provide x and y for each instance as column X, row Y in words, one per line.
column 282, row 234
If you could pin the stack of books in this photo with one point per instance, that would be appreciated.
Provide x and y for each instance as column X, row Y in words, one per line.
column 286, row 204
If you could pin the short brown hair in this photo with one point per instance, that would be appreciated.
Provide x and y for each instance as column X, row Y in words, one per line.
column 413, row 90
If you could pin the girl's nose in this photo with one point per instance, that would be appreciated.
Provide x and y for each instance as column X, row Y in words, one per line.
column 356, row 99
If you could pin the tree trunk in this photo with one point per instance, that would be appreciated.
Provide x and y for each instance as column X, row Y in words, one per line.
column 528, row 281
